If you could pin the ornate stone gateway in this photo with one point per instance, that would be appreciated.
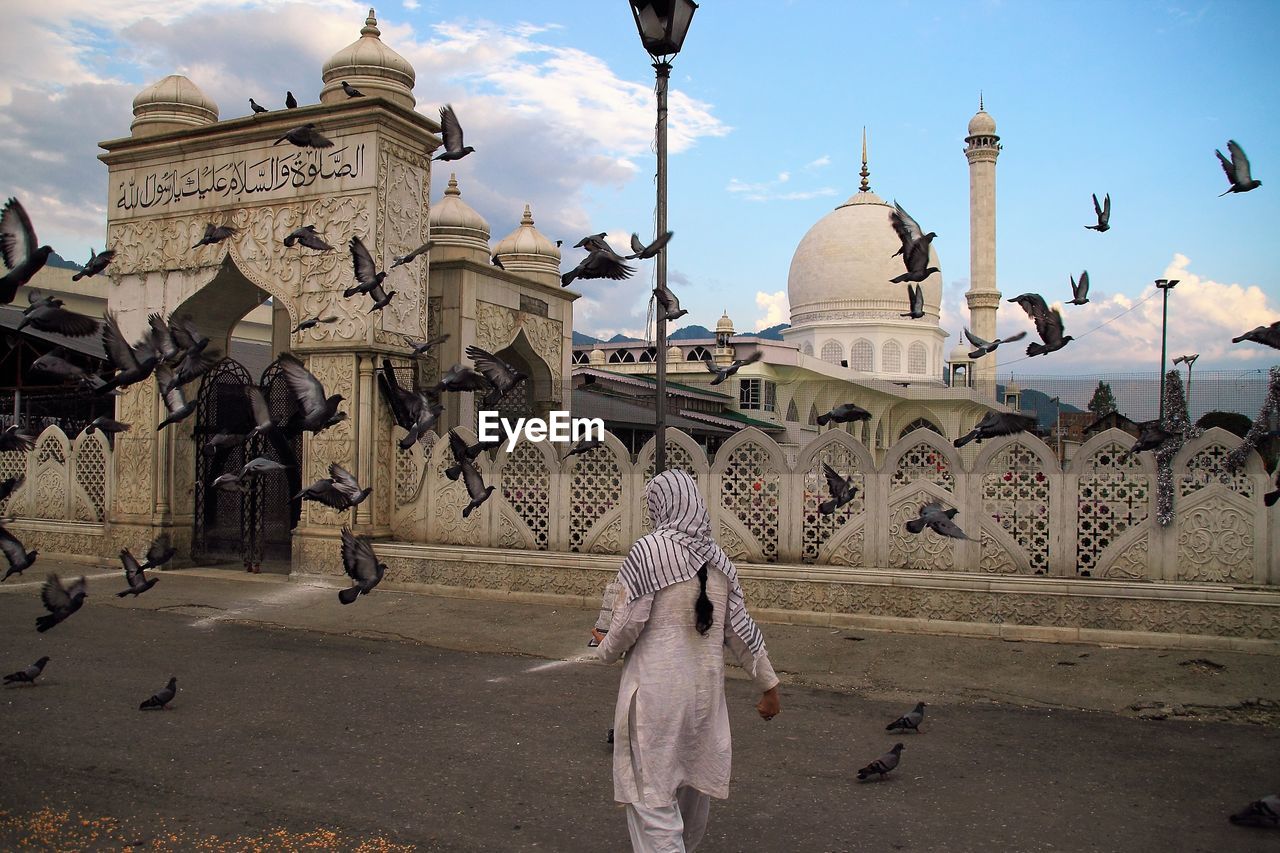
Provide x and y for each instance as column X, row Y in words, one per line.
column 220, row 515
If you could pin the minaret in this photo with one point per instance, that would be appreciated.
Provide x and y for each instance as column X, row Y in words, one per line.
column 981, row 150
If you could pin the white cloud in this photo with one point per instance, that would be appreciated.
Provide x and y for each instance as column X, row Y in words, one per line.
column 824, row 160
column 776, row 309
column 769, row 190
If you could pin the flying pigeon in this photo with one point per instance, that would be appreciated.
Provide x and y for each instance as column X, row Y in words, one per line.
column 307, row 236
column 462, row 378
column 461, row 450
column 584, row 446
column 340, row 490
column 14, row 439
column 412, row 256
column 476, row 489
column 306, row 137
column 641, row 252
column 60, row 601
column 1237, row 169
column 1263, row 812
column 669, row 304
column 723, row 373
column 133, row 573
column 182, row 346
column 594, row 243
column 451, row 134
column 598, row 264
column 352, row 91
column 316, row 411
column 937, row 519
column 54, row 364
column 263, row 422
column 28, row 675
column 419, row 349
column 215, row 234
column 842, row 490
column 290, row 101
column 843, row 414
column 1080, row 292
column 161, row 698
column 502, row 376
column 362, row 566
column 108, row 427
column 883, row 764
column 997, row 423
column 368, row 279
column 11, row 485
column 1266, row 335
column 97, row 263
column 909, row 721
column 222, row 440
column 406, row 405
column 174, row 400
column 984, row 347
column 916, row 294
column 20, row 559
column 256, row 107
column 160, row 552
column 914, row 248
column 312, row 322
column 1152, row 435
column 254, row 467
column 428, row 409
column 1104, row 214
column 1048, row 324
column 19, row 249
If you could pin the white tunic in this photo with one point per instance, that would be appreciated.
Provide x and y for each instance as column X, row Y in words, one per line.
column 671, row 724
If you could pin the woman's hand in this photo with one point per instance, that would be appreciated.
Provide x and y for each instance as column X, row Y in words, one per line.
column 597, row 636
column 769, row 705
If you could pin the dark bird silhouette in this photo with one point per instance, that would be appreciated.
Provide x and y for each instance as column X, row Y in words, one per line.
column 256, row 107
column 216, row 234
column 312, row 322
column 352, row 91
column 60, row 601
column 368, row 279
column 1263, row 812
column 160, row 552
column 842, row 490
column 13, row 438
column 461, row 450
column 317, row 412
column 222, row 440
column 997, row 423
column 1265, row 335
column 54, row 364
column 108, row 427
column 594, row 243
column 914, row 248
column 28, row 675
column 20, row 559
column 306, row 136
column 306, row 236
column 416, row 411
column 1151, row 435
column 916, row 294
column 1271, row 497
column 1048, row 324
column 983, row 347
column 598, row 264
column 175, row 401
column 462, row 378
column 133, row 364
column 723, row 373
column 502, row 376
column 412, row 256
column 497, row 262
column 476, row 489
column 134, row 574
column 668, row 304
column 843, row 414
column 340, row 490
column 427, row 409
column 909, row 721
column 586, row 445
column 181, row 346
column 97, row 263
column 290, row 102
column 362, row 566
column 20, row 250
column 1080, row 291
column 1103, row 212
column 161, row 698
column 451, row 135
column 255, row 467
column 419, row 349
column 883, row 764
column 11, row 485
column 1237, row 169
column 641, row 252
column 937, row 519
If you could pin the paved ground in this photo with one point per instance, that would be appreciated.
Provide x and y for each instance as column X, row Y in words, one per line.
column 406, row 721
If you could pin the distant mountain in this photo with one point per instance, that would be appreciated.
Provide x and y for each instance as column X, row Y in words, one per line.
column 1040, row 404
column 56, row 260
column 622, row 339
column 581, row 340
column 690, row 333
column 773, row 333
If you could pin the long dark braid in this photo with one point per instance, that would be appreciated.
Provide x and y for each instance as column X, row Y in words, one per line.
column 703, row 606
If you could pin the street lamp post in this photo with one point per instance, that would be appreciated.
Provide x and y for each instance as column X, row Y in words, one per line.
column 1165, row 284
column 1188, row 360
column 662, row 25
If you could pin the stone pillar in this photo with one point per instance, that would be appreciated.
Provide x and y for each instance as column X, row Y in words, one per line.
column 982, row 149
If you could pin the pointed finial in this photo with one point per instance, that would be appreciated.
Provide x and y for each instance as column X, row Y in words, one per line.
column 370, row 27
column 981, row 108
column 865, row 173
column 452, row 189
column 527, row 219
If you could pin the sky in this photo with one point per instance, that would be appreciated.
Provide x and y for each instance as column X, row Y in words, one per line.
column 768, row 102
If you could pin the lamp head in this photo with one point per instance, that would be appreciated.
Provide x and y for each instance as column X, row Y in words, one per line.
column 662, row 25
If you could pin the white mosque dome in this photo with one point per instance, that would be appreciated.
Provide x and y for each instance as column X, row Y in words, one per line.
column 172, row 103
column 455, row 223
column 369, row 65
column 982, row 124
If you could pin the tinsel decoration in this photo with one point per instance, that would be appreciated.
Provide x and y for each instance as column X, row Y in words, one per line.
column 1179, row 423
column 1270, row 409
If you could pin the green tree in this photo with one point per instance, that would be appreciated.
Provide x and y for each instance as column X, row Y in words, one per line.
column 1103, row 402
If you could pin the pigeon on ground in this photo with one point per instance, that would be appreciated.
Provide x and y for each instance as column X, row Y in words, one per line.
column 1103, row 212
column 883, row 764
column 316, row 411
column 21, row 252
column 586, row 445
column 937, row 519
column 1263, row 812
column 13, row 438
column 1266, row 335
column 28, row 675
column 842, row 490
column 175, row 401
column 412, row 256
column 222, row 440
column 1152, row 435
column 361, row 564
column 1237, row 169
column 340, row 490
column 306, row 136
column 909, row 721
column 462, row 378
column 983, row 347
column 723, row 373
column 60, row 601
column 462, row 450
column 1048, row 324
column 133, row 573
column 306, row 236
column 1080, row 291
column 97, row 263
column 916, row 294
column 368, row 279
column 215, row 234
column 312, row 322
column 108, row 427
column 290, row 102
column 843, row 414
column 502, row 376
column 161, row 698
column 419, row 349
column 160, row 552
column 20, row 559
column 641, row 252
column 11, row 485
column 598, row 264
column 47, row 314
column 451, row 135
column 256, row 107
column 352, row 91
column 997, row 423
column 668, row 304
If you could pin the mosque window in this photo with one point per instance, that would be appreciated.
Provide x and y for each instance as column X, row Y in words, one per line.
column 792, row 414
column 698, row 354
column 860, row 355
column 813, row 415
column 581, row 356
column 621, row 356
column 649, row 356
column 917, row 358
column 758, row 395
column 832, row 352
column 919, row 423
column 891, row 357
column 807, row 349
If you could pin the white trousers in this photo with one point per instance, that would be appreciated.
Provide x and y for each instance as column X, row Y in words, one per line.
column 677, row 828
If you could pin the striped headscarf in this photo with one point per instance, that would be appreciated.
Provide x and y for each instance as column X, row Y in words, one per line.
column 679, row 545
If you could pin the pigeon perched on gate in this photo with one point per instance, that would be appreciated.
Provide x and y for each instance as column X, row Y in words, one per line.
column 883, row 764
column 909, row 721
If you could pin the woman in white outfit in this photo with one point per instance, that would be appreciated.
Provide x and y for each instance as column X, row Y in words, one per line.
column 679, row 606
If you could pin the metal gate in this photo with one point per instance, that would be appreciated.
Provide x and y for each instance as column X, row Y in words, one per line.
column 272, row 496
